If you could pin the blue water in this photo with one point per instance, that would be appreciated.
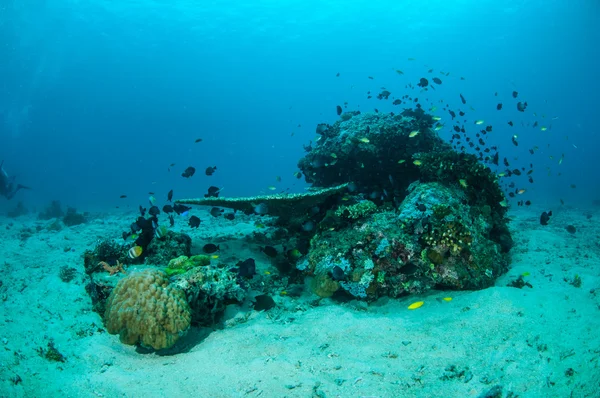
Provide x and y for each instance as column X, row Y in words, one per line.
column 98, row 98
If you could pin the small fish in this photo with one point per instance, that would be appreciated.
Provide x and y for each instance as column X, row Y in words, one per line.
column 499, row 107
column 364, row 139
column 122, row 196
column 521, row 191
column 503, row 203
column 269, row 251
column 423, row 82
column 189, row 172
column 525, row 273
column 439, row 127
column 194, row 222
column 543, row 128
column 398, row 71
column 170, row 196
column 214, row 256
column 436, row 118
column 210, row 248
column 416, row 305
column 278, row 178
column 210, row 170
column 417, row 163
column 479, row 122
column 414, row 133
column 198, row 140
column 216, row 212
column 545, row 217
column 135, row 252
column 463, row 183
column 437, row 80
column 152, row 200
column 339, row 110
column 447, row 299
column 297, row 174
column 271, row 188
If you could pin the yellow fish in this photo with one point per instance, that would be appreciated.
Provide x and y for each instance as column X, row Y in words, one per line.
column 504, row 203
column 478, row 122
column 416, row 305
column 543, row 128
column 525, row 273
column 364, row 139
column 401, row 161
column 439, row 127
column 501, row 174
column 283, row 293
column 267, row 273
column 437, row 118
column 447, row 299
column 214, row 256
column 414, row 133
column 417, row 163
column 463, row 183
column 333, row 155
column 521, row 191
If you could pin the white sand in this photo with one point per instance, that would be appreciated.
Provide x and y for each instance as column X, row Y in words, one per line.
column 522, row 339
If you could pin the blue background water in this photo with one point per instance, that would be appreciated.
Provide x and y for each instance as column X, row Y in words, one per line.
column 98, row 98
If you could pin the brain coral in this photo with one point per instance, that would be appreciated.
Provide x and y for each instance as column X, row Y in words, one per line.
column 144, row 309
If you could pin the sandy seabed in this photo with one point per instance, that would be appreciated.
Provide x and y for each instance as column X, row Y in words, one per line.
column 539, row 341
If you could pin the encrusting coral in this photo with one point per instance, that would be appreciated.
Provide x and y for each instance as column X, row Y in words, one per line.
column 144, row 309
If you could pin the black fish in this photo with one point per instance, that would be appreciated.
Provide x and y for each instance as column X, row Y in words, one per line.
column 168, row 209
column 171, row 220
column 188, row 172
column 210, row 170
column 514, row 141
column 423, row 82
column 269, row 251
column 515, row 94
column 338, row 110
column 142, row 211
column 499, row 107
column 213, row 192
column 216, row 212
column 198, row 140
column 452, row 114
column 545, row 217
column 263, row 302
column 496, row 158
column 154, row 211
column 337, row 273
column 521, row 106
column 230, row 216
column 464, row 101
column 210, row 248
column 510, row 123
column 246, row 268
column 170, row 196
column 194, row 222
column 437, row 80
column 179, row 208
column 571, row 229
column 122, row 196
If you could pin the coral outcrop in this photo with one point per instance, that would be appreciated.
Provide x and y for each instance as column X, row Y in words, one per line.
column 145, row 309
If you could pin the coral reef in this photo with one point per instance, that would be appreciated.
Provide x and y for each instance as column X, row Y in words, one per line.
column 18, row 211
column 73, row 218
column 373, row 151
column 144, row 309
column 435, row 239
column 172, row 245
column 182, row 264
column 53, row 210
column 208, row 289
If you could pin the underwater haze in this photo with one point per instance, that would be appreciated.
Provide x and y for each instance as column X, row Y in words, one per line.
column 98, row 98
